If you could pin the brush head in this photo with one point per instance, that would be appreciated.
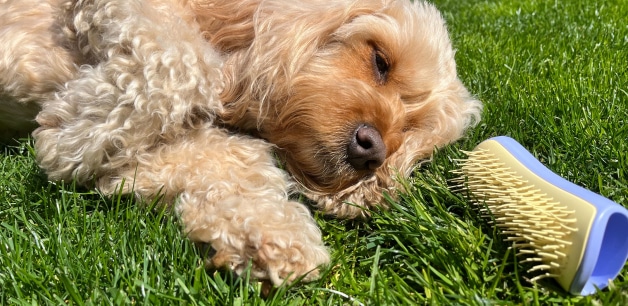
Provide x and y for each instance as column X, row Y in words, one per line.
column 563, row 230
column 539, row 228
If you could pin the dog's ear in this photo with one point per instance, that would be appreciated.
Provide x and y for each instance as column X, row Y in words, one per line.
column 228, row 25
column 286, row 34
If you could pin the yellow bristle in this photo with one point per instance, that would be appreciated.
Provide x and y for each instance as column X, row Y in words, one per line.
column 538, row 226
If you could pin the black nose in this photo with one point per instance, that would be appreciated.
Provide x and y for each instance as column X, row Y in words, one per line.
column 366, row 150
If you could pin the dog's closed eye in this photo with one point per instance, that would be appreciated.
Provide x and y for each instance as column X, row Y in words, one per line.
column 381, row 66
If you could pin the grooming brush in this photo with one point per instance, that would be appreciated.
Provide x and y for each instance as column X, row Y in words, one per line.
column 566, row 232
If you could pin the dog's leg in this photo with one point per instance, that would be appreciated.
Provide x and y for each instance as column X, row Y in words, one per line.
column 157, row 79
column 230, row 194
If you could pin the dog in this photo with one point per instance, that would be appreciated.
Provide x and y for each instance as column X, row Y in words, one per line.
column 226, row 108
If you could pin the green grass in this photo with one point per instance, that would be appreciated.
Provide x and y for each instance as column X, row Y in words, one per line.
column 552, row 74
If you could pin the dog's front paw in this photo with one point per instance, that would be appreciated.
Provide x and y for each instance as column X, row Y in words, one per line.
column 277, row 261
column 287, row 261
column 279, row 240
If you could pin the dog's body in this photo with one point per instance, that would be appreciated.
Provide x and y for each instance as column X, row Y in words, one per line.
column 161, row 97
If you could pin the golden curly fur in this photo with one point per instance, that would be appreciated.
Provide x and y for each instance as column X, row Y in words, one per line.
column 189, row 99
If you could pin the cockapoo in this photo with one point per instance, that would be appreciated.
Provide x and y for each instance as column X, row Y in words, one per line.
column 191, row 99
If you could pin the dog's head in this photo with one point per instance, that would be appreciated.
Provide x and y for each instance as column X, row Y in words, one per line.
column 352, row 92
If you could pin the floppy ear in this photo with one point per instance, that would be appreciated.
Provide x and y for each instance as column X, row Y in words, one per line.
column 228, row 25
column 286, row 34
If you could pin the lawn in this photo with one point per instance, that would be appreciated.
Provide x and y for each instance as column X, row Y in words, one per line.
column 552, row 74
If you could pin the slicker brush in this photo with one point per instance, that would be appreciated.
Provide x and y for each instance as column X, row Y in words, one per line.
column 564, row 231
